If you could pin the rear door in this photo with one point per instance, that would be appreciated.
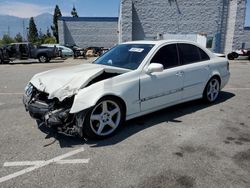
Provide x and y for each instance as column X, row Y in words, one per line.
column 196, row 66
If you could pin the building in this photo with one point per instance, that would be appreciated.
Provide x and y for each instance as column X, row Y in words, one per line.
column 88, row 31
column 221, row 21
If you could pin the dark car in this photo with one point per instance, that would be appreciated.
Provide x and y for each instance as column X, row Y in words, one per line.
column 26, row 50
column 241, row 52
column 4, row 57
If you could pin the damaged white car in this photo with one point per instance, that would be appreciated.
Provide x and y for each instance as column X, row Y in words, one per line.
column 130, row 80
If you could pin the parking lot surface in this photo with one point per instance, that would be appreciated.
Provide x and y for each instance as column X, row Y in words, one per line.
column 188, row 145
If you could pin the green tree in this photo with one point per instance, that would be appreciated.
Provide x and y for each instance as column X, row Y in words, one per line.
column 18, row 37
column 48, row 33
column 74, row 12
column 49, row 40
column 7, row 39
column 33, row 34
column 54, row 27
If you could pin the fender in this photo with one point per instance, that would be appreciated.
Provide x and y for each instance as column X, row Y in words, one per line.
column 127, row 90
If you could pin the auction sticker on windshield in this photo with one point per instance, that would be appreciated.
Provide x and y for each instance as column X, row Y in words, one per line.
column 136, row 50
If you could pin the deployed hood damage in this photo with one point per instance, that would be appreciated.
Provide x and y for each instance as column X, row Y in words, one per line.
column 66, row 82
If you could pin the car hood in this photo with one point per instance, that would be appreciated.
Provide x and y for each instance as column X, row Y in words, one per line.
column 65, row 82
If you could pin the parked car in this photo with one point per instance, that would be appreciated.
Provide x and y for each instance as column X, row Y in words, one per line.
column 26, row 50
column 65, row 51
column 4, row 58
column 94, row 51
column 241, row 52
column 130, row 80
column 78, row 52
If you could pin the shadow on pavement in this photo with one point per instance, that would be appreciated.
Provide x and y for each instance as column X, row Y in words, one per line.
column 136, row 125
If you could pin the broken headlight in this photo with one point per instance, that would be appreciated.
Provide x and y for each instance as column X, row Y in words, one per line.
column 28, row 89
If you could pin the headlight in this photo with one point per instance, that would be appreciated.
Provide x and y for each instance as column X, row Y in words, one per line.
column 28, row 89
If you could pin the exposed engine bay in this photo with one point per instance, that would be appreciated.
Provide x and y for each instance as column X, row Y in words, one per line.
column 55, row 114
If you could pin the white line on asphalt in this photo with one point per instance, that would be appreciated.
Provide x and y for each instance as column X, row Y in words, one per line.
column 73, row 161
column 23, row 163
column 11, row 93
column 45, row 163
column 31, row 163
column 247, row 88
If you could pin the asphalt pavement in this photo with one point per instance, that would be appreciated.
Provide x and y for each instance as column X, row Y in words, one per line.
column 188, row 145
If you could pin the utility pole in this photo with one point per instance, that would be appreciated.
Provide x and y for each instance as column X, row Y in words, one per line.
column 9, row 30
column 23, row 31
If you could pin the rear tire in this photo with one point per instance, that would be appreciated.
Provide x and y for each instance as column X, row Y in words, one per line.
column 43, row 59
column 230, row 57
column 104, row 119
column 212, row 90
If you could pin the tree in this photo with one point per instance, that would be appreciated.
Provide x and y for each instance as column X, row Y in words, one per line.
column 7, row 39
column 54, row 27
column 33, row 34
column 48, row 33
column 74, row 12
column 18, row 37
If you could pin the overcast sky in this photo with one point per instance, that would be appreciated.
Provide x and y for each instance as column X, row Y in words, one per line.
column 87, row 8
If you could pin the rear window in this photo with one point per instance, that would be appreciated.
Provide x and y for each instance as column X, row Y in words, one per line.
column 191, row 54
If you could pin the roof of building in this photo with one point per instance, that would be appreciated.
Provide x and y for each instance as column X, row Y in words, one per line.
column 89, row 19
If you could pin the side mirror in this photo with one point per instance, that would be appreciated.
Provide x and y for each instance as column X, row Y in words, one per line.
column 155, row 67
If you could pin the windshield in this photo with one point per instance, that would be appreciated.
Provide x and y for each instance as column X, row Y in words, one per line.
column 128, row 56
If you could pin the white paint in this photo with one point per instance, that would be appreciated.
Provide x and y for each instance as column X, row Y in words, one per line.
column 73, row 161
column 39, row 164
column 22, row 163
column 31, row 163
column 241, row 89
column 11, row 93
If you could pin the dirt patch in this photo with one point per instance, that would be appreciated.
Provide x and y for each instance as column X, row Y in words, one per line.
column 242, row 159
column 168, row 179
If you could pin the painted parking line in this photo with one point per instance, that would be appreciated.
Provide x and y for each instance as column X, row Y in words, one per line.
column 32, row 163
column 40, row 164
column 235, row 88
column 11, row 93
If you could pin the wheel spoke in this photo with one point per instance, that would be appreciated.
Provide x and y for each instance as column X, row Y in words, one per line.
column 96, row 117
column 105, row 106
column 113, row 112
column 112, row 124
column 214, row 84
column 100, row 128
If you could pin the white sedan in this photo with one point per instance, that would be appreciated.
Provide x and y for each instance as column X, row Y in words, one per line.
column 130, row 80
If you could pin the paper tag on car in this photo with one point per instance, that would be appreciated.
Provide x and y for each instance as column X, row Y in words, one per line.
column 139, row 50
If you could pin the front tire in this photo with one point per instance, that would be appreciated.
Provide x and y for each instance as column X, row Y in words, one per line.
column 212, row 90
column 104, row 119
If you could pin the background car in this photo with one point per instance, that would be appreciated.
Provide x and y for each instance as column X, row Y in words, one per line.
column 241, row 52
column 65, row 51
column 130, row 80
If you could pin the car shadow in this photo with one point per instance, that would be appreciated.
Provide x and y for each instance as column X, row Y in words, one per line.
column 171, row 114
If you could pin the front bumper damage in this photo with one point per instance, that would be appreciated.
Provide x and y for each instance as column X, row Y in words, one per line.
column 52, row 113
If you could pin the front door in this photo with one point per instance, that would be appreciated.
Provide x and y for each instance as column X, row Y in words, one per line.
column 162, row 88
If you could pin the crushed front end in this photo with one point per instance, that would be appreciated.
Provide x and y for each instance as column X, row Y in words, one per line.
column 52, row 113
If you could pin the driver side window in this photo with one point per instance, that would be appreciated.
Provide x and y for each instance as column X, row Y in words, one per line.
column 167, row 56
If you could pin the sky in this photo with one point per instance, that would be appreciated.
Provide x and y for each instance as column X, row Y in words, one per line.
column 85, row 8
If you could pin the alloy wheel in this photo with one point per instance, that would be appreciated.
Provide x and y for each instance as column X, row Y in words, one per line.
column 105, row 118
column 213, row 89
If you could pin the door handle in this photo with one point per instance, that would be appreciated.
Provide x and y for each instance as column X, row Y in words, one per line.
column 180, row 73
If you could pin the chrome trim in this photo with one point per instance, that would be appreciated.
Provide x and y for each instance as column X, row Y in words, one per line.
column 169, row 92
column 161, row 95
